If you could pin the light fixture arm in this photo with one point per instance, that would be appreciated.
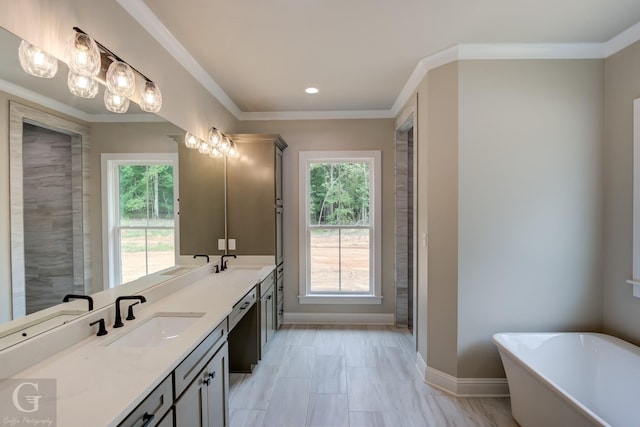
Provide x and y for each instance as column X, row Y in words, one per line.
column 112, row 55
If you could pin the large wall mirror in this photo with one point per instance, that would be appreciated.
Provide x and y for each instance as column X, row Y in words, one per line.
column 95, row 200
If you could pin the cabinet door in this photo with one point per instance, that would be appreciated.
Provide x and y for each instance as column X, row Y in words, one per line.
column 270, row 309
column 279, row 251
column 278, row 177
column 191, row 408
column 218, row 389
column 263, row 325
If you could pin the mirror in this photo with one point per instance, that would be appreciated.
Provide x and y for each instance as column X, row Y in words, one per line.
column 39, row 269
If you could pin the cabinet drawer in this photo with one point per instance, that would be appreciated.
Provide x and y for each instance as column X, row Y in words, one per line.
column 152, row 408
column 266, row 284
column 198, row 358
column 242, row 307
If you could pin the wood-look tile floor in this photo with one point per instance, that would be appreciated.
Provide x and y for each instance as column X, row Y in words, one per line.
column 354, row 376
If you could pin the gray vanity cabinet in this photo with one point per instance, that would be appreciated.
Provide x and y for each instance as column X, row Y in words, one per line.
column 201, row 383
column 255, row 214
column 204, row 402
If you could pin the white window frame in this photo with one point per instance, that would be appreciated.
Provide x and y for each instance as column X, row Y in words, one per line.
column 110, row 242
column 635, row 281
column 374, row 158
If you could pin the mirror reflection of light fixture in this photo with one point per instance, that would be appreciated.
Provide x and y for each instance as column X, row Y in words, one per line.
column 203, row 147
column 37, row 62
column 115, row 103
column 233, row 151
column 82, row 86
column 191, row 141
column 120, row 79
column 215, row 136
column 217, row 144
column 151, row 98
column 82, row 55
column 225, row 145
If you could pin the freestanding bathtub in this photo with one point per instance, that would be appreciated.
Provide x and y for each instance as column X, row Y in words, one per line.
column 571, row 379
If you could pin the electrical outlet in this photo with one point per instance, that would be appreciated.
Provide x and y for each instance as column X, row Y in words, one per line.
column 221, row 245
column 232, row 244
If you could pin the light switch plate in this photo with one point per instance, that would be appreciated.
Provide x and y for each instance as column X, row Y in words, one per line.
column 221, row 245
column 232, row 244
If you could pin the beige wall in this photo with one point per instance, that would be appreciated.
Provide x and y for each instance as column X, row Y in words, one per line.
column 333, row 135
column 621, row 309
column 514, row 161
column 442, row 192
column 530, row 202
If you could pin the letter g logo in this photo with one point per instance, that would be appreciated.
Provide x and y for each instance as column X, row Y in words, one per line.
column 33, row 400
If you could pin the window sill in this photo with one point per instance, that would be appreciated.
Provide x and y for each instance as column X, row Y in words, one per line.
column 636, row 287
column 339, row 299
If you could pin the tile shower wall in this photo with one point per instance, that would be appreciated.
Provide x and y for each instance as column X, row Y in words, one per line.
column 48, row 219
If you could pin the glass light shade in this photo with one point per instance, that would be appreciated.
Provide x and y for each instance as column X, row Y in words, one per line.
column 151, row 98
column 203, row 147
column 115, row 103
column 120, row 79
column 37, row 62
column 215, row 152
column 225, row 145
column 215, row 137
column 191, row 141
column 83, row 55
column 83, row 86
column 233, row 151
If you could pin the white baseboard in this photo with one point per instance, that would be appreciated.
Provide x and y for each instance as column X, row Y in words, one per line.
column 462, row 387
column 340, row 318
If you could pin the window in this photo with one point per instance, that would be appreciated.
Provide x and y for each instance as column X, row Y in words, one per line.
column 139, row 195
column 340, row 227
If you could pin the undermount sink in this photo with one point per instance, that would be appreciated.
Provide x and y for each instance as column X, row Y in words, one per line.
column 158, row 330
column 240, row 267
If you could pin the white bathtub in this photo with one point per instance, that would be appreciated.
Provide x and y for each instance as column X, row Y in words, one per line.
column 571, row 379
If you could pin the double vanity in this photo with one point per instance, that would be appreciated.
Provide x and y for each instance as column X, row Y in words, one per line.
column 169, row 365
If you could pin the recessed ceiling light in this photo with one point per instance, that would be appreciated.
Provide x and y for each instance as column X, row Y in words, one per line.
column 311, row 90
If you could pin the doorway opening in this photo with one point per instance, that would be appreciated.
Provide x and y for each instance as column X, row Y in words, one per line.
column 405, row 251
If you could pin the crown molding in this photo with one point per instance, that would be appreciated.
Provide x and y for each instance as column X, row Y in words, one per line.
column 505, row 51
column 317, row 115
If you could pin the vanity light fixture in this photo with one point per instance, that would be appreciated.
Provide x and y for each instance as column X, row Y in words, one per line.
column 115, row 103
column 151, row 98
column 82, row 55
column 36, row 61
column 191, row 141
column 81, row 85
column 120, row 77
column 217, row 144
column 233, row 151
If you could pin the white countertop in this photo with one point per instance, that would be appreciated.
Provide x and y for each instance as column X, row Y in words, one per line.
column 98, row 384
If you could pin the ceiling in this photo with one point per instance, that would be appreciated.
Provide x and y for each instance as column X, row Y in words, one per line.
column 259, row 56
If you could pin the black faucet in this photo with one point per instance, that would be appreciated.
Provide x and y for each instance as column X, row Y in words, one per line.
column 201, row 256
column 118, row 323
column 223, row 263
column 73, row 296
column 101, row 329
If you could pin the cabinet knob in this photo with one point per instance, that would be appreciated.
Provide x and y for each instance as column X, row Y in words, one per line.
column 212, row 375
column 206, row 382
